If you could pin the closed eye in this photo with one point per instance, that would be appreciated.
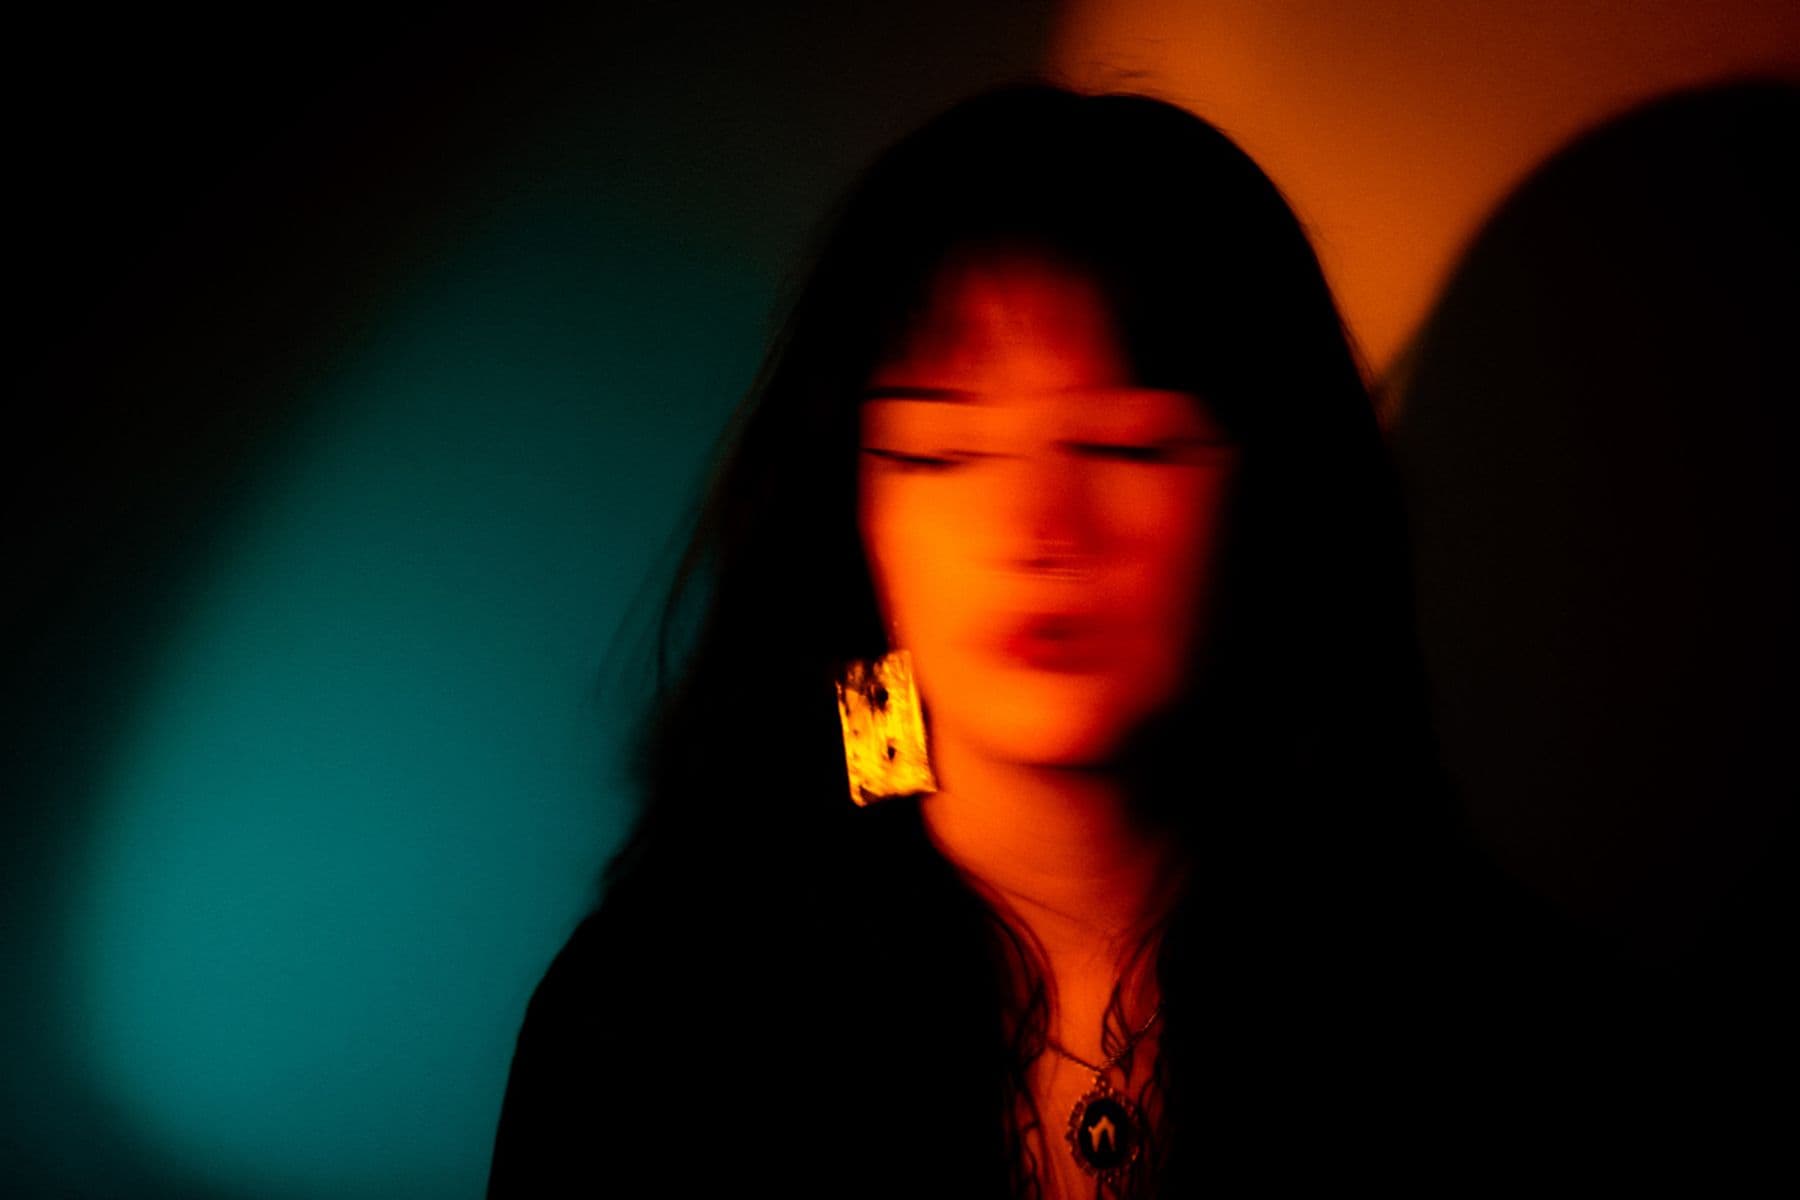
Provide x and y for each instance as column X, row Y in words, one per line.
column 1169, row 450
column 1161, row 452
column 913, row 462
column 1126, row 453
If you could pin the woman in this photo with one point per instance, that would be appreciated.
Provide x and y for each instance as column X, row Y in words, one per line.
column 1157, row 879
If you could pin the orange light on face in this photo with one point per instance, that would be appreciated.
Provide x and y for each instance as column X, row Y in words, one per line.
column 1039, row 527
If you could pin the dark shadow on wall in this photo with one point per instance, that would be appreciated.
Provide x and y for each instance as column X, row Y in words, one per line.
column 217, row 213
column 1597, row 426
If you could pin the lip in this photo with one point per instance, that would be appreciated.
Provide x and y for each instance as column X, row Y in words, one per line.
column 1054, row 642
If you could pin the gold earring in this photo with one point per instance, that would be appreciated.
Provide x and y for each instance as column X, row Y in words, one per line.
column 884, row 729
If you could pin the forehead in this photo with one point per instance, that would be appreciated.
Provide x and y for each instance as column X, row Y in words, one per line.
column 1015, row 323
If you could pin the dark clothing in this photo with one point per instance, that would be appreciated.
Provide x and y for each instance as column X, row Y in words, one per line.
column 774, row 1035
column 825, row 1033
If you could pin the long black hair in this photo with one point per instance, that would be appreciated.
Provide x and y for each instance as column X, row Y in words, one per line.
column 1298, row 767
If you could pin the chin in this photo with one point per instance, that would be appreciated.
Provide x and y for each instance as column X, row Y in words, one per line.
column 1054, row 740
column 1047, row 719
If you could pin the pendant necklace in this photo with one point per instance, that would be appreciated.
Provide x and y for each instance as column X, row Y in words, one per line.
column 1106, row 1130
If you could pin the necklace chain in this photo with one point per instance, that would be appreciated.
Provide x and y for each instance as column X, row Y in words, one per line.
column 1130, row 1043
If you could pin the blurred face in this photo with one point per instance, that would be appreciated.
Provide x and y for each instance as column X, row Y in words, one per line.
column 1040, row 529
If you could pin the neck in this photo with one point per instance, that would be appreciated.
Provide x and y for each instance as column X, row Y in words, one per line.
column 1059, row 852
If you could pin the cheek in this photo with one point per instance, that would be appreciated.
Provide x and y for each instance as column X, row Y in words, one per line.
column 913, row 548
column 1167, row 530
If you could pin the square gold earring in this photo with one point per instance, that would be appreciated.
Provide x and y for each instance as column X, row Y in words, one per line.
column 884, row 729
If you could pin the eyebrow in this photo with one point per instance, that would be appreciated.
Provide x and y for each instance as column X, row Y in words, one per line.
column 947, row 395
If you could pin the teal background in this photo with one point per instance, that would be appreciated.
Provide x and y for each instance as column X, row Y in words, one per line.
column 362, row 440
column 369, row 778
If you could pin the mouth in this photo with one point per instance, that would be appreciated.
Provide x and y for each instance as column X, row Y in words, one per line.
column 1054, row 642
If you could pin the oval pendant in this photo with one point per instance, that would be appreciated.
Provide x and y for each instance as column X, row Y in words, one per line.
column 1105, row 1131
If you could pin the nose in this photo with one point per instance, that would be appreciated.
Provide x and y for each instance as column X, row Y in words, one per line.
column 1050, row 516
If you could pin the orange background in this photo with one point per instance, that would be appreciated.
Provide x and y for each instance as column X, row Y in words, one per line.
column 1395, row 126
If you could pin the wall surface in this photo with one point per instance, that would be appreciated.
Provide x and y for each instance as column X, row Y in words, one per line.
column 1395, row 127
column 368, row 369
column 371, row 368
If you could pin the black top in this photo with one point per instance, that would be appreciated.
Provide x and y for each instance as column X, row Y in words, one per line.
column 816, row 1031
column 766, row 1031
